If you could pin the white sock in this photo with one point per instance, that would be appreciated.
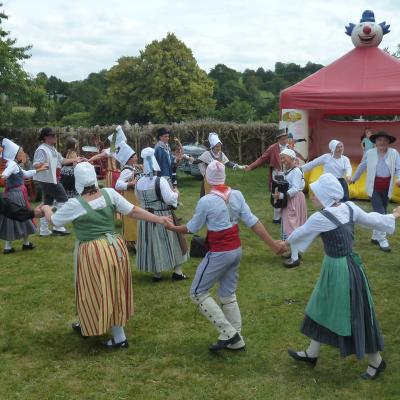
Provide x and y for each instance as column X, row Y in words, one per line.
column 7, row 245
column 118, row 334
column 312, row 351
column 277, row 213
column 178, row 270
column 374, row 359
column 26, row 241
column 295, row 254
column 59, row 228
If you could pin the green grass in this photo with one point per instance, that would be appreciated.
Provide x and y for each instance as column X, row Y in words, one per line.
column 41, row 358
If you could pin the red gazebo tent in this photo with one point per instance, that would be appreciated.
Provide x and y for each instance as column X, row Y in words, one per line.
column 365, row 81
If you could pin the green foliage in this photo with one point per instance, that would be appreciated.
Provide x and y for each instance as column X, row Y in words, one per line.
column 237, row 111
column 163, row 84
column 76, row 119
column 21, row 119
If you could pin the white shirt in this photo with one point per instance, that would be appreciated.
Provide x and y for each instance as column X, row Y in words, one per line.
column 213, row 211
column 338, row 167
column 295, row 180
column 14, row 168
column 125, row 176
column 72, row 209
column 303, row 236
column 169, row 196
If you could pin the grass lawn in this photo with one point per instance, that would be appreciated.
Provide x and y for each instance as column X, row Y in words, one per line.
column 41, row 358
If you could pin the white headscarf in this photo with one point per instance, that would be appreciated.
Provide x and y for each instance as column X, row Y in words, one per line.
column 213, row 139
column 85, row 175
column 289, row 152
column 327, row 189
column 120, row 136
column 10, row 149
column 215, row 173
column 332, row 145
column 150, row 163
column 124, row 153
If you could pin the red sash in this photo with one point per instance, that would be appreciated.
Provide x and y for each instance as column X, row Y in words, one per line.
column 225, row 240
column 381, row 184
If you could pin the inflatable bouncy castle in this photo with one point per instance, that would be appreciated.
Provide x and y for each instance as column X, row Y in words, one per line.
column 363, row 82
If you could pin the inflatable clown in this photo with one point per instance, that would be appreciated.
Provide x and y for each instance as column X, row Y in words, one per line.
column 367, row 33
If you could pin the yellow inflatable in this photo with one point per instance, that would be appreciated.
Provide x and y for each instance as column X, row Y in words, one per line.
column 356, row 191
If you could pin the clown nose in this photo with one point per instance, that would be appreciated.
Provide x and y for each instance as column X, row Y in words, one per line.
column 367, row 30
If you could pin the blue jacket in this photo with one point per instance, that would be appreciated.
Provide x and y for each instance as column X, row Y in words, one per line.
column 165, row 160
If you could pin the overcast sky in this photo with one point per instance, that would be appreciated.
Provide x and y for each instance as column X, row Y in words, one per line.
column 71, row 39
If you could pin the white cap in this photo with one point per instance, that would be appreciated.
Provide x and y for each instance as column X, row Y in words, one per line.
column 215, row 173
column 213, row 139
column 124, row 153
column 85, row 175
column 150, row 162
column 289, row 152
column 327, row 189
column 10, row 149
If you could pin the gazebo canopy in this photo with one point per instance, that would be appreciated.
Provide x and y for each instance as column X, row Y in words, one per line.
column 366, row 80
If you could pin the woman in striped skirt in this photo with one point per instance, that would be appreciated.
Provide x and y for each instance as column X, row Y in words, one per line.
column 103, row 283
column 158, row 249
column 16, row 192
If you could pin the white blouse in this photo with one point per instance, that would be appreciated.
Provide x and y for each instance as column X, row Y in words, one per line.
column 73, row 209
column 13, row 168
column 303, row 236
column 169, row 196
column 125, row 176
column 338, row 167
column 295, row 180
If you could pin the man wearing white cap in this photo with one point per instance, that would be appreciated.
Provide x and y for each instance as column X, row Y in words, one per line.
column 126, row 182
column 221, row 211
column 341, row 310
column 52, row 190
column 271, row 156
column 16, row 192
column 335, row 163
column 157, row 249
column 215, row 153
column 103, row 279
column 383, row 168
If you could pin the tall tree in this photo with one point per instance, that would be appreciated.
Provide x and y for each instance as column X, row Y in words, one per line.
column 163, row 84
column 13, row 79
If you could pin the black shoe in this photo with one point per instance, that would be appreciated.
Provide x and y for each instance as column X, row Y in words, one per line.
column 386, row 249
column 378, row 370
column 178, row 277
column 29, row 246
column 60, row 233
column 276, row 221
column 290, row 263
column 156, row 279
column 374, row 241
column 114, row 346
column 76, row 327
column 310, row 360
column 222, row 344
column 9, row 251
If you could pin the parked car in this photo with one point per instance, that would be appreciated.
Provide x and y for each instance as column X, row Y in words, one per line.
column 193, row 150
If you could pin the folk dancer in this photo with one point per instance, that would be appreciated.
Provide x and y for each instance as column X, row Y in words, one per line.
column 103, row 280
column 157, row 249
column 341, row 310
column 271, row 156
column 51, row 189
column 383, row 165
column 126, row 182
column 214, row 153
column 16, row 192
column 335, row 163
column 221, row 211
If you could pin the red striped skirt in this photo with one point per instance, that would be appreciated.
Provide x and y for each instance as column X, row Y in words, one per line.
column 103, row 286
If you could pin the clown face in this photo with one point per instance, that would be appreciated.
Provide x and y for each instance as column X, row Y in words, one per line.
column 367, row 34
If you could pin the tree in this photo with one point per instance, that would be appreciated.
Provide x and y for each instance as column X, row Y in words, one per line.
column 163, row 84
column 13, row 79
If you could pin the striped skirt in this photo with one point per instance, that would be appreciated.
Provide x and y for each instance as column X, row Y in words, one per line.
column 158, row 249
column 11, row 229
column 103, row 286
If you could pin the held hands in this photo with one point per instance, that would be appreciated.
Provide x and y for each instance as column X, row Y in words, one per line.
column 167, row 222
column 41, row 167
column 276, row 195
column 396, row 212
column 38, row 211
column 247, row 168
column 280, row 247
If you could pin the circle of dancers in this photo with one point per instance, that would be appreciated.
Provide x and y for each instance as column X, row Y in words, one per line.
column 340, row 311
